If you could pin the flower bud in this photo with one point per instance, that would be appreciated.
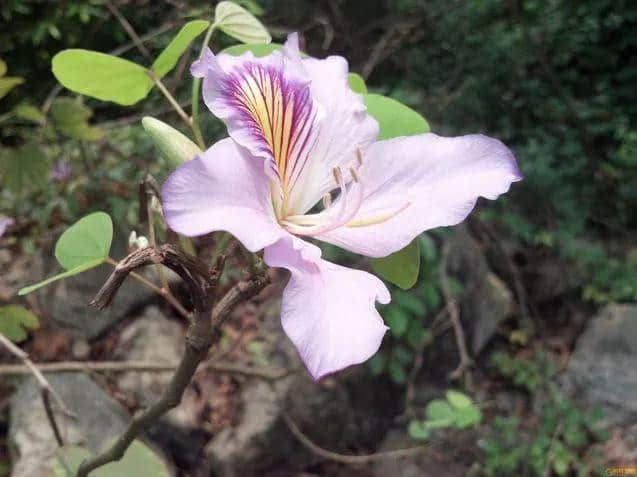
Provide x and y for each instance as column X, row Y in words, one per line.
column 174, row 147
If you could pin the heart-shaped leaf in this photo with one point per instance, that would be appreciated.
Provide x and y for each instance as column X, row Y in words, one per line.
column 458, row 400
column 168, row 58
column 85, row 241
column 395, row 119
column 240, row 24
column 102, row 76
column 15, row 320
column 439, row 414
column 401, row 268
column 138, row 461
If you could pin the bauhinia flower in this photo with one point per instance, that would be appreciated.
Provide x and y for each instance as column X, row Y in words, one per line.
column 302, row 162
column 4, row 223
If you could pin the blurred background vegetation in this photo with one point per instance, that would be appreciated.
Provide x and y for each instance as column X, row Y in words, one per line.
column 527, row 275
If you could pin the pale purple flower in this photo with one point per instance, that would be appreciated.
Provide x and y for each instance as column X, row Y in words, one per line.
column 4, row 223
column 297, row 135
column 61, row 170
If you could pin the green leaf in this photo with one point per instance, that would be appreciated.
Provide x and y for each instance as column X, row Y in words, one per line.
column 3, row 67
column 397, row 320
column 458, row 399
column 29, row 112
column 404, row 355
column 439, row 414
column 138, row 461
column 397, row 371
column 174, row 147
column 400, row 268
column 74, row 271
column 377, row 363
column 357, row 83
column 102, row 76
column 26, row 167
column 7, row 83
column 87, row 240
column 395, row 119
column 15, row 320
column 70, row 117
column 417, row 430
column 467, row 416
column 259, row 50
column 168, row 58
column 240, row 24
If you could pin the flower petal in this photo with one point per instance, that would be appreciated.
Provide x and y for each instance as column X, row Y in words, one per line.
column 267, row 106
column 345, row 127
column 328, row 311
column 4, row 223
column 223, row 189
column 420, row 182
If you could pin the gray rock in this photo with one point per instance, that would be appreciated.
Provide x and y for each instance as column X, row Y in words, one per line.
column 152, row 338
column 486, row 301
column 602, row 371
column 98, row 418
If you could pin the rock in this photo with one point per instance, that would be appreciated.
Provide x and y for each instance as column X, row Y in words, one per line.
column 151, row 338
column 412, row 466
column 99, row 418
column 602, row 371
column 486, row 301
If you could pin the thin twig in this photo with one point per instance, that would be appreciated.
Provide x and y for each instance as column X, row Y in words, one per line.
column 46, row 391
column 454, row 317
column 144, row 366
column 202, row 333
column 354, row 459
column 129, row 29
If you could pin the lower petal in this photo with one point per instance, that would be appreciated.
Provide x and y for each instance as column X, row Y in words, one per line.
column 223, row 189
column 328, row 311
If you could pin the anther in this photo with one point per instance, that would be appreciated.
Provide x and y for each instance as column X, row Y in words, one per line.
column 327, row 200
column 359, row 155
column 338, row 175
column 355, row 175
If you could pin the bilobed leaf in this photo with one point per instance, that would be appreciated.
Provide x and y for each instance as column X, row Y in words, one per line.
column 29, row 112
column 7, row 83
column 70, row 117
column 26, row 167
column 138, row 461
column 15, row 320
column 357, row 83
column 401, row 268
column 85, row 241
column 258, row 49
column 439, row 414
column 417, row 430
column 102, row 76
column 168, row 58
column 467, row 416
column 74, row 271
column 458, row 399
column 174, row 147
column 240, row 24
column 395, row 119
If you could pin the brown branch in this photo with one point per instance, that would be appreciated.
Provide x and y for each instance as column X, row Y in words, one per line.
column 129, row 29
column 454, row 316
column 46, row 391
column 144, row 366
column 202, row 334
column 354, row 459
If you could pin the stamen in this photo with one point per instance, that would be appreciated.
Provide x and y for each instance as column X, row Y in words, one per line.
column 338, row 175
column 354, row 174
column 359, row 155
column 327, row 200
column 378, row 219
